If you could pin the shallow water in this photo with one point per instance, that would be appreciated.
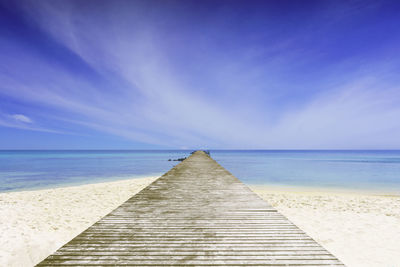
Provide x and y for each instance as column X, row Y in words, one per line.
column 357, row 170
column 371, row 170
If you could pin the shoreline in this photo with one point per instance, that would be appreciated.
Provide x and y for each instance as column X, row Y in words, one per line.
column 266, row 186
column 90, row 182
column 361, row 228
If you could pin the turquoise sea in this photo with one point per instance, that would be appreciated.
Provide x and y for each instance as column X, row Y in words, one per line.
column 354, row 170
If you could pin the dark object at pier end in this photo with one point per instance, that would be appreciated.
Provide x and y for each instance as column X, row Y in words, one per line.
column 180, row 159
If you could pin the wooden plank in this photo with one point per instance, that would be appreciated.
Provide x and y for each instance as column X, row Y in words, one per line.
column 197, row 214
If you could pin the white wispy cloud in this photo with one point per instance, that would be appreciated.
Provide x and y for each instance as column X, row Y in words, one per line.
column 151, row 100
column 23, row 122
column 21, row 118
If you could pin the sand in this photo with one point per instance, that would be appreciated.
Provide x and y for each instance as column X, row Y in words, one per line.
column 360, row 228
column 34, row 224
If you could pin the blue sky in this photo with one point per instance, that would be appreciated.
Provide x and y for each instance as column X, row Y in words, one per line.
column 199, row 74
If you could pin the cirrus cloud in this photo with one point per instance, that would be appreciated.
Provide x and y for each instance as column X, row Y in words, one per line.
column 21, row 118
column 153, row 74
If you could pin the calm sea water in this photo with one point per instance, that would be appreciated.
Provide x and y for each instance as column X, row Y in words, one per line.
column 376, row 170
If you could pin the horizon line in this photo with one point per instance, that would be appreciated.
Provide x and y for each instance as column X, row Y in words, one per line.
column 210, row 149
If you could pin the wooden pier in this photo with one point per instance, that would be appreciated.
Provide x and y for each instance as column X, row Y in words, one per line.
column 197, row 214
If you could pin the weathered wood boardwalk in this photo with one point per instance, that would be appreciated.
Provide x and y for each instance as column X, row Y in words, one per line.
column 197, row 214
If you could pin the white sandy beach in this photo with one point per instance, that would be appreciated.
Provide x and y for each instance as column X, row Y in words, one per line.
column 33, row 224
column 361, row 229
